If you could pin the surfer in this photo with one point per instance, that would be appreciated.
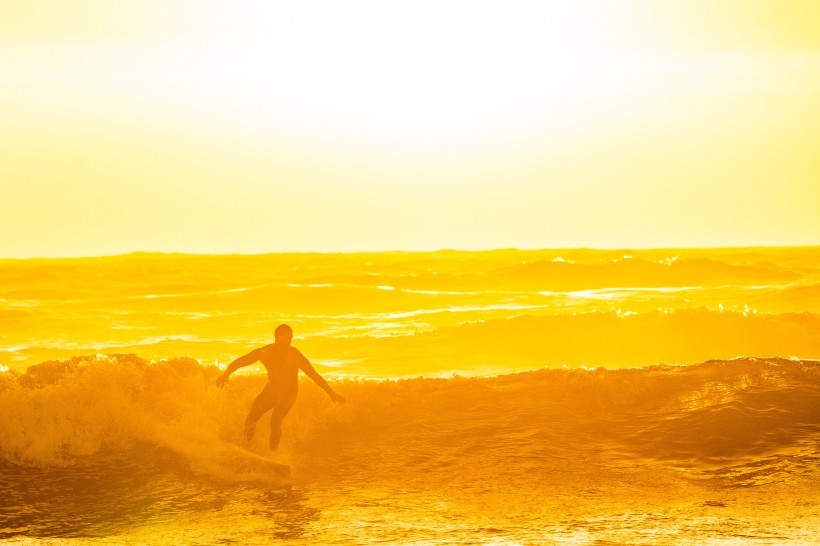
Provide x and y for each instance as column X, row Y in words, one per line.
column 283, row 362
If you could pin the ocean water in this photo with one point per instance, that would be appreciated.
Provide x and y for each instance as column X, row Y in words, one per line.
column 504, row 397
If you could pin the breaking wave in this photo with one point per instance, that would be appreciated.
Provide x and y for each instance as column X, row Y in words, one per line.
column 744, row 421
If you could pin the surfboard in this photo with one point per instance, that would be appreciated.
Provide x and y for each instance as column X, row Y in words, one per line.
column 252, row 462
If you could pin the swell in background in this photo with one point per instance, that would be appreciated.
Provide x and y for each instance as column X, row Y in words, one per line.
column 399, row 314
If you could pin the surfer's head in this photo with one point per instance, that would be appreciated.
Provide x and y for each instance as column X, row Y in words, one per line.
column 283, row 334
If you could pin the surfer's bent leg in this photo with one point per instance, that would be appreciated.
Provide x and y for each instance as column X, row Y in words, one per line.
column 262, row 403
column 281, row 409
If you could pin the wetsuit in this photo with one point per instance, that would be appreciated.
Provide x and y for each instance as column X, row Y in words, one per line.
column 283, row 364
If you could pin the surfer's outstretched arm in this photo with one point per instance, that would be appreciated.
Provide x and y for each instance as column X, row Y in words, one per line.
column 306, row 367
column 244, row 360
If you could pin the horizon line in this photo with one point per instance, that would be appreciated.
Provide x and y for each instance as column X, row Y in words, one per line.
column 403, row 251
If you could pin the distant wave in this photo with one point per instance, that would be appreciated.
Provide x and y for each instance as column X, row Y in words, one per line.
column 743, row 421
column 599, row 338
column 383, row 346
column 638, row 272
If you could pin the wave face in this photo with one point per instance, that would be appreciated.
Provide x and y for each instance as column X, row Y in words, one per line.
column 91, row 430
column 707, row 418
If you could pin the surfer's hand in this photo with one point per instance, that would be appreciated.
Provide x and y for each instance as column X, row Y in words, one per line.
column 337, row 398
column 222, row 380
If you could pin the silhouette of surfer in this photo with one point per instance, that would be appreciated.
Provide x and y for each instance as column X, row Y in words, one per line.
column 283, row 362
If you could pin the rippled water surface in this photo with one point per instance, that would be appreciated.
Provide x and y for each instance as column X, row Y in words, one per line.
column 539, row 397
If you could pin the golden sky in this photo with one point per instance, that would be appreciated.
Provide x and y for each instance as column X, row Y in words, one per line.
column 257, row 126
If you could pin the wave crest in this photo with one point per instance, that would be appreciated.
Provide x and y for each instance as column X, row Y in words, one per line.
column 711, row 417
